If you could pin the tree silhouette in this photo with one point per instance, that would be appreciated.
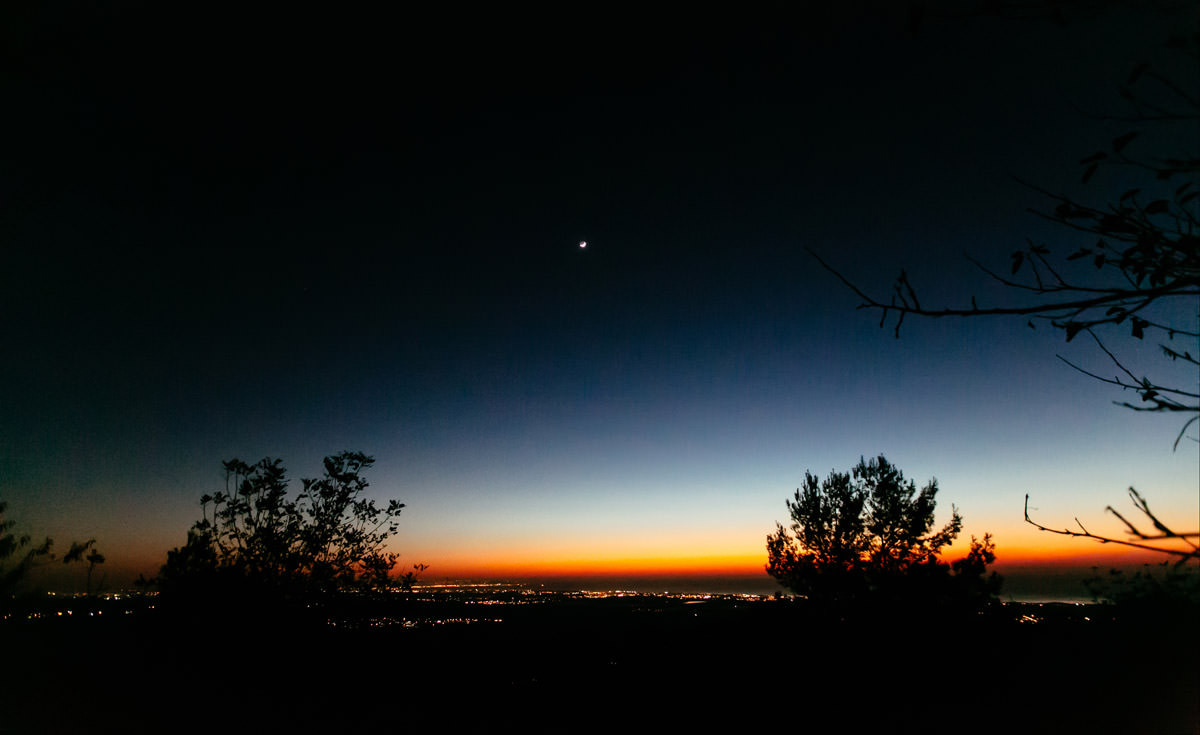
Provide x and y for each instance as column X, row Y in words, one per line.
column 254, row 541
column 17, row 556
column 93, row 558
column 1135, row 272
column 868, row 534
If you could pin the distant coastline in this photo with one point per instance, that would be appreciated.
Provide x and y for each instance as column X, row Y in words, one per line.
column 1026, row 586
column 1022, row 582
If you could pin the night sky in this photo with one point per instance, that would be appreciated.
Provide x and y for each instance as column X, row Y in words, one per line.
column 245, row 235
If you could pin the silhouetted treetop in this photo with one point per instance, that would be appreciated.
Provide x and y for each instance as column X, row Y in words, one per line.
column 870, row 532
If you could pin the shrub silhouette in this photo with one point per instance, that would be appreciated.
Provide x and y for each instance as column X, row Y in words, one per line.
column 1164, row 593
column 254, row 543
column 867, row 535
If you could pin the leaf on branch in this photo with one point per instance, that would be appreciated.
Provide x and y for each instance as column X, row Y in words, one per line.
column 1158, row 206
column 1097, row 156
column 1073, row 328
column 1087, row 175
column 1080, row 253
column 1119, row 142
column 1017, row 259
column 1139, row 325
column 1130, row 194
column 1099, row 260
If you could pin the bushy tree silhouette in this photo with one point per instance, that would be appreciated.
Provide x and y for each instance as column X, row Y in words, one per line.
column 255, row 542
column 868, row 534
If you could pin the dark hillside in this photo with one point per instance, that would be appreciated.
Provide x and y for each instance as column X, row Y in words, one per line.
column 637, row 663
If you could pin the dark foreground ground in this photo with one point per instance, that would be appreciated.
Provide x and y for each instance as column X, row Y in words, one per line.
column 640, row 664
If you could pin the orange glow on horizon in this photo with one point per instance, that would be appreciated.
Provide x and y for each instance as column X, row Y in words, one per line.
column 615, row 559
column 733, row 565
column 742, row 565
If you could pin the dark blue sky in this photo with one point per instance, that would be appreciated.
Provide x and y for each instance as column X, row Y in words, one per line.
column 234, row 234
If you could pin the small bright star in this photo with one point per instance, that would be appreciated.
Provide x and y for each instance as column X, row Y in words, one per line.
column 583, row 243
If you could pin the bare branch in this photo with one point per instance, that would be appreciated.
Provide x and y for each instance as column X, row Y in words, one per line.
column 1183, row 431
column 1107, row 297
column 1143, row 382
column 1141, row 504
column 1183, row 554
